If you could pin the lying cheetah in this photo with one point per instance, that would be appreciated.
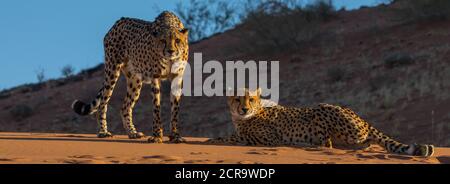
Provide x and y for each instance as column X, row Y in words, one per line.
column 146, row 53
column 321, row 125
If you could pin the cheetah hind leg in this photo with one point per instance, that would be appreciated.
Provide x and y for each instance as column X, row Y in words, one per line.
column 105, row 95
column 134, row 86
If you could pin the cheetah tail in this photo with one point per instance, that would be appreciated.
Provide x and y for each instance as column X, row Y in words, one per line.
column 394, row 146
column 81, row 108
column 84, row 109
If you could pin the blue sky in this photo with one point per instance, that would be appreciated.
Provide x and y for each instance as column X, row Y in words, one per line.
column 50, row 34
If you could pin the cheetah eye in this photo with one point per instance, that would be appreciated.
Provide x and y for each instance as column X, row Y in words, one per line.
column 252, row 100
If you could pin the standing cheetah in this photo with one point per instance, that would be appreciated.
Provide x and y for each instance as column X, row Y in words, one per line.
column 145, row 52
column 321, row 125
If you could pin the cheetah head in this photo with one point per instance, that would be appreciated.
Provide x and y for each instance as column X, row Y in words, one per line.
column 244, row 107
column 171, row 43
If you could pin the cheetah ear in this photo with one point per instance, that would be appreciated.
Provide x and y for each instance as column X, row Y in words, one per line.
column 184, row 31
column 229, row 92
column 258, row 92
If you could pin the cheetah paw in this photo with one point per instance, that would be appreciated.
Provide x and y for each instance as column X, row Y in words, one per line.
column 157, row 140
column 176, row 139
column 215, row 141
column 136, row 135
column 105, row 135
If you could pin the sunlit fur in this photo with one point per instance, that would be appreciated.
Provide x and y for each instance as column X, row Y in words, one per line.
column 145, row 53
column 319, row 125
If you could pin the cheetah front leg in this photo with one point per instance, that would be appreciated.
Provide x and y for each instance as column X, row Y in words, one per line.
column 233, row 140
column 175, row 97
column 157, row 126
column 134, row 86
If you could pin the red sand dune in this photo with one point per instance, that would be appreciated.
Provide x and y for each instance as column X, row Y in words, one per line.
column 21, row 148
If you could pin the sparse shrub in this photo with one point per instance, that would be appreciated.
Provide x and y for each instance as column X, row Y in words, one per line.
column 387, row 1
column 204, row 18
column 396, row 130
column 67, row 71
column 379, row 81
column 89, row 72
column 322, row 9
column 425, row 9
column 432, row 9
column 22, row 111
column 40, row 75
column 398, row 59
column 4, row 94
column 265, row 25
column 388, row 98
column 268, row 27
column 280, row 25
column 336, row 74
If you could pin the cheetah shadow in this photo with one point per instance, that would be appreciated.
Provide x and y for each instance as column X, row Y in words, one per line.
column 358, row 151
column 306, row 147
column 76, row 138
column 443, row 159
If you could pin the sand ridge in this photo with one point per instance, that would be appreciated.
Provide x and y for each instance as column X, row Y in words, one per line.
column 47, row 148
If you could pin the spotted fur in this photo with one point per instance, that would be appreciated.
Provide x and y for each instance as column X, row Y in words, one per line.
column 320, row 125
column 145, row 53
